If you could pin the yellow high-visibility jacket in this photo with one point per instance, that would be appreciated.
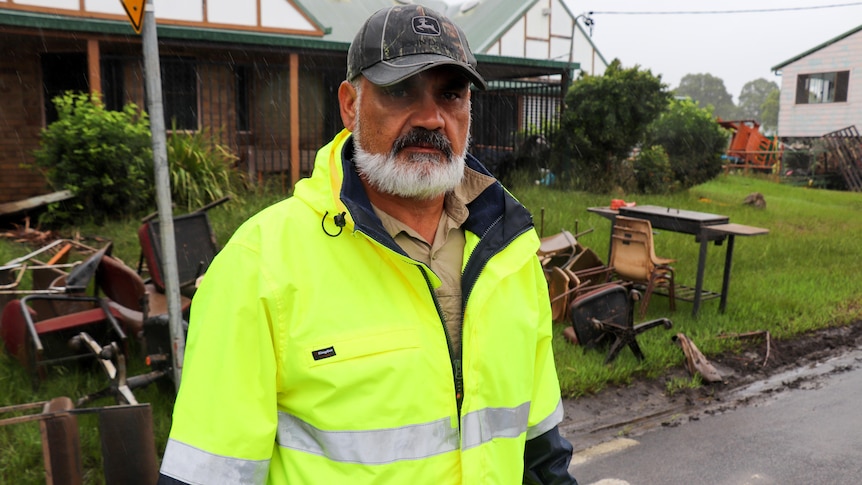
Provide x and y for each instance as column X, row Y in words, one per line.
column 317, row 354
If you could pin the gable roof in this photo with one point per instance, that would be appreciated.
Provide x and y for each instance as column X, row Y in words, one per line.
column 817, row 48
column 587, row 36
column 483, row 21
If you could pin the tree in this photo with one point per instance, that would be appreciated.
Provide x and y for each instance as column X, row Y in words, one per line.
column 708, row 90
column 694, row 142
column 752, row 97
column 604, row 118
column 769, row 112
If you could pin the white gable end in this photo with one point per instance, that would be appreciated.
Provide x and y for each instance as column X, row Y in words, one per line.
column 275, row 14
column 282, row 14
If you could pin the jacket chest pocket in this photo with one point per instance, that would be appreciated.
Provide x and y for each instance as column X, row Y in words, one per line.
column 351, row 350
column 362, row 380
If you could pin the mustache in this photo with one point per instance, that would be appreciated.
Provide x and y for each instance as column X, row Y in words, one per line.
column 421, row 136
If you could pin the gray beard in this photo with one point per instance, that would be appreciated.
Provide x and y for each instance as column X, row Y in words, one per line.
column 420, row 177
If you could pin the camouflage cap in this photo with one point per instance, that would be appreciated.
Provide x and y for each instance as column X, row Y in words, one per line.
column 398, row 42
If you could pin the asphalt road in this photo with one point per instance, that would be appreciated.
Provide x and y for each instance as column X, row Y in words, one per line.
column 808, row 432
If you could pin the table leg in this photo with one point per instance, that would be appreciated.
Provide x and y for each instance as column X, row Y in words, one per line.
column 725, row 284
column 701, row 265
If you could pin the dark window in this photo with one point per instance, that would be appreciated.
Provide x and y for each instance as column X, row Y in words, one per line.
column 842, row 80
column 180, row 93
column 112, row 84
column 61, row 73
column 243, row 81
column 822, row 87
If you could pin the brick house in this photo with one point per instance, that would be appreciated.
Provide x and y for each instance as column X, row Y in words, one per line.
column 262, row 74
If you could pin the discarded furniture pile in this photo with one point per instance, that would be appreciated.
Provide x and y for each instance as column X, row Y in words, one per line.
column 69, row 304
column 125, row 434
column 599, row 311
column 60, row 311
column 99, row 296
column 593, row 298
column 704, row 226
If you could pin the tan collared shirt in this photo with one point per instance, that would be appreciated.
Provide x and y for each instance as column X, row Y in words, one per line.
column 445, row 256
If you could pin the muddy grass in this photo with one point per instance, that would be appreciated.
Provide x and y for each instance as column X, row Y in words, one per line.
column 620, row 411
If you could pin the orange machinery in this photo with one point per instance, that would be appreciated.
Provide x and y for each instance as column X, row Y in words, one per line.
column 751, row 147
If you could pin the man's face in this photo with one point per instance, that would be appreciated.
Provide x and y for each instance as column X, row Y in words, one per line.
column 411, row 137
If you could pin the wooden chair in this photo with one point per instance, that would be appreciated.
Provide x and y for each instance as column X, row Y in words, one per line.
column 644, row 226
column 565, row 285
column 559, row 286
column 589, row 268
column 558, row 249
column 633, row 259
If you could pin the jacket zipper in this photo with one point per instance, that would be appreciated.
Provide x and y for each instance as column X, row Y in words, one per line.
column 455, row 360
column 457, row 371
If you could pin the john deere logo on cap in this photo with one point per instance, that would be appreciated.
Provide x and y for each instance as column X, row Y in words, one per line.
column 426, row 26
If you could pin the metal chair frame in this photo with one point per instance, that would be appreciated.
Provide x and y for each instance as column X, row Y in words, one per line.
column 607, row 313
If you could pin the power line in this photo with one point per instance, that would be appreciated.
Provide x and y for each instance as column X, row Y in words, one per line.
column 721, row 12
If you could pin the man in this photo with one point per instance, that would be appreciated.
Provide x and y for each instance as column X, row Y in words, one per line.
column 390, row 322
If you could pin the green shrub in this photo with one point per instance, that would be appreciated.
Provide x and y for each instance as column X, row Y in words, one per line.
column 201, row 169
column 604, row 118
column 104, row 157
column 694, row 142
column 653, row 171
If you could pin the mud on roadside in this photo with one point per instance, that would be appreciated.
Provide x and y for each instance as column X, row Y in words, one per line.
column 632, row 409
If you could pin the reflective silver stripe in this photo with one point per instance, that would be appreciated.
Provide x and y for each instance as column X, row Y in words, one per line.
column 482, row 426
column 548, row 423
column 195, row 466
column 372, row 447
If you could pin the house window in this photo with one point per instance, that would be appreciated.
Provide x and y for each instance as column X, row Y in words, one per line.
column 180, row 93
column 242, row 75
column 61, row 73
column 112, row 84
column 822, row 87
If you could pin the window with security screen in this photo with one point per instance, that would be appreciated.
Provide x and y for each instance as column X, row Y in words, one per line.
column 180, row 93
column 62, row 72
column 822, row 87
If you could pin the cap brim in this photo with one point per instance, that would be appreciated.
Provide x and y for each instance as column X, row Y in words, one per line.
column 387, row 73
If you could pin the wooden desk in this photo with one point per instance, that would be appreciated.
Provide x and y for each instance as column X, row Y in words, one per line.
column 704, row 226
column 676, row 220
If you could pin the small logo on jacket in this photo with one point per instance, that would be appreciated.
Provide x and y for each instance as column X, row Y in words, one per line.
column 323, row 353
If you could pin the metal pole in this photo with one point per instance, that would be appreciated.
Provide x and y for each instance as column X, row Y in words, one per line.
column 152, row 73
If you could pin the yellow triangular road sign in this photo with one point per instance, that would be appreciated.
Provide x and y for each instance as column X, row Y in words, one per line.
column 135, row 11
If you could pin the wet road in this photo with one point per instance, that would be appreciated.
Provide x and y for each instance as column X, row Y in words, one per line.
column 809, row 433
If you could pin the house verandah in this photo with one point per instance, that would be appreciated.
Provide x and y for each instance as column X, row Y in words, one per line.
column 269, row 98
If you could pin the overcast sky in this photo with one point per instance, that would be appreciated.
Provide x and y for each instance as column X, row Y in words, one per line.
column 735, row 47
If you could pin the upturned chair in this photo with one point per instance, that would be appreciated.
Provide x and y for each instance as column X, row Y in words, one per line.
column 604, row 317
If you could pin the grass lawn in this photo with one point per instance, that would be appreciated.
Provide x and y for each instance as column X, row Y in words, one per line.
column 802, row 276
